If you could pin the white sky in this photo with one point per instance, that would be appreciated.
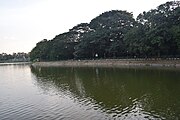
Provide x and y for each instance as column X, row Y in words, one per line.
column 23, row 23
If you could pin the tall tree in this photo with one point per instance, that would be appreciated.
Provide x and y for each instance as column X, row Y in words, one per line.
column 106, row 38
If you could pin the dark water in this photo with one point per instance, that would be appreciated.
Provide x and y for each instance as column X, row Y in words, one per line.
column 28, row 93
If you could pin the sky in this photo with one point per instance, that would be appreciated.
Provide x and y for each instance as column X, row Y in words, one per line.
column 23, row 23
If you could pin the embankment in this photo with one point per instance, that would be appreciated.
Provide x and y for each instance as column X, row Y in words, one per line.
column 110, row 63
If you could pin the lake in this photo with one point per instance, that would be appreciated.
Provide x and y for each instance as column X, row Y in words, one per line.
column 56, row 93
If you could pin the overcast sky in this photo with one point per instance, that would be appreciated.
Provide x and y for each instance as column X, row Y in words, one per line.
column 23, row 23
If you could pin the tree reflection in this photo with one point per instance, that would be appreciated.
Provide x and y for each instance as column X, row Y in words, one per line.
column 146, row 93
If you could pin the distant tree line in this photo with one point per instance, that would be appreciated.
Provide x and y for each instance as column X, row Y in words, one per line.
column 116, row 34
column 15, row 57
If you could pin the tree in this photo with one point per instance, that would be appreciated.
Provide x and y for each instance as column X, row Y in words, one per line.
column 117, row 34
column 40, row 51
column 106, row 37
column 157, row 24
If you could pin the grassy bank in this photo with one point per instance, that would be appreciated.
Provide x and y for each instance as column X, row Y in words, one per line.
column 110, row 63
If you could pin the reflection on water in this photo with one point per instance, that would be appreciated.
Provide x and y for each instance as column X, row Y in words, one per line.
column 114, row 93
column 28, row 93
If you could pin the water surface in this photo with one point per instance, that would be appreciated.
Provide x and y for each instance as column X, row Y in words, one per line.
column 28, row 93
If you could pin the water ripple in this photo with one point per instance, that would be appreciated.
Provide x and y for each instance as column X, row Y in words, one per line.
column 78, row 94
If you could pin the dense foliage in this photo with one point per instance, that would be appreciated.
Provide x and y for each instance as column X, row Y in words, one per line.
column 116, row 34
column 15, row 57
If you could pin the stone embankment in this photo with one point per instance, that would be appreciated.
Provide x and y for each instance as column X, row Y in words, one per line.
column 110, row 63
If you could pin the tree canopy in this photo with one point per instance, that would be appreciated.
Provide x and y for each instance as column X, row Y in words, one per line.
column 116, row 34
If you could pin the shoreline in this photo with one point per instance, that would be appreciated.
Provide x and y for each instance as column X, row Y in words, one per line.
column 110, row 63
column 15, row 63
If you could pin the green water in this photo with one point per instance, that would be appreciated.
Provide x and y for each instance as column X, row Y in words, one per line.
column 121, row 92
column 92, row 93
